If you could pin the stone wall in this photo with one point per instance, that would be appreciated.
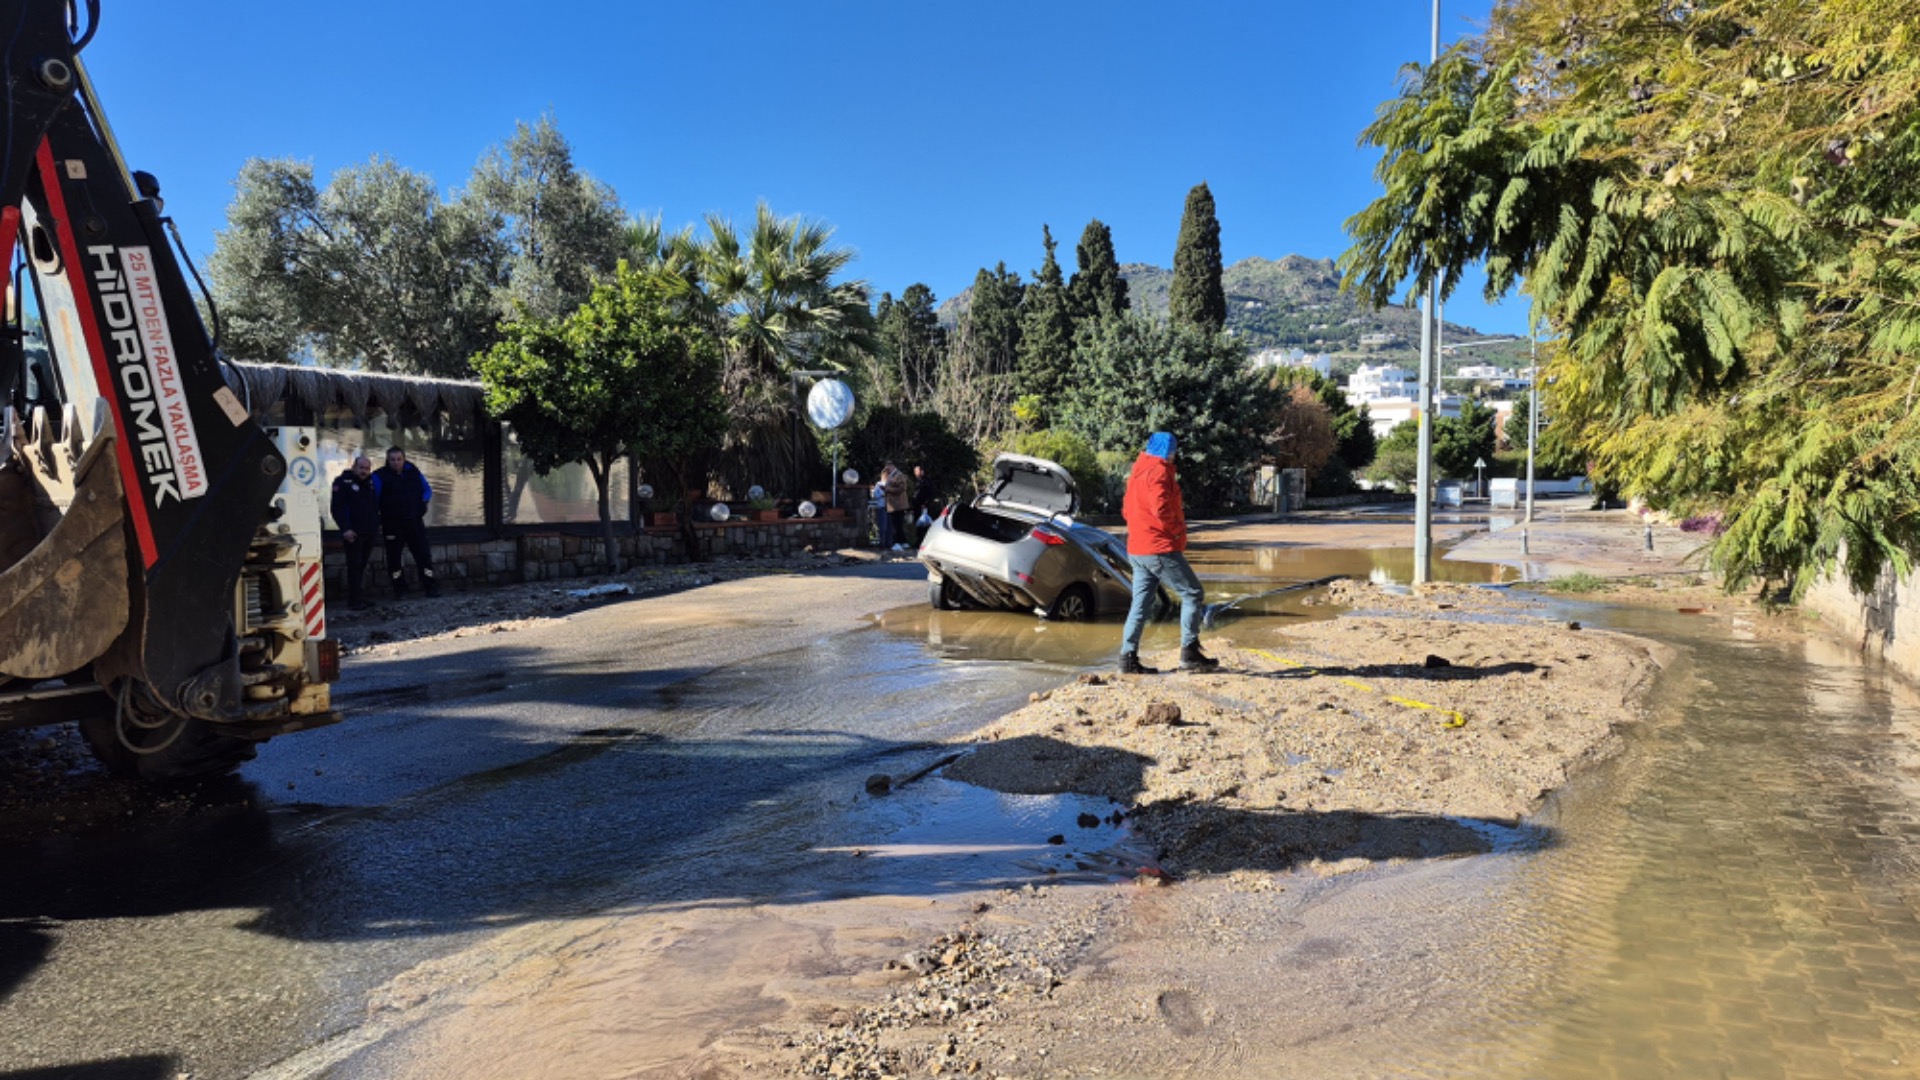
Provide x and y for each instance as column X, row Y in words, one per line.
column 555, row 556
column 1883, row 623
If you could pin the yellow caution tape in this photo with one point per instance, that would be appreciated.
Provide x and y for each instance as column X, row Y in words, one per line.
column 1454, row 719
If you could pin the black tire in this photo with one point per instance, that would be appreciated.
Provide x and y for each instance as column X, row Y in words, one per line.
column 1074, row 604
column 194, row 752
column 946, row 596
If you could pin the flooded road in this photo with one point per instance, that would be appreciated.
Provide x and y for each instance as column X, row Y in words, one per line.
column 1735, row 895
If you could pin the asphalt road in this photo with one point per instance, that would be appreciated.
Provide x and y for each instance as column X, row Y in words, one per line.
column 478, row 784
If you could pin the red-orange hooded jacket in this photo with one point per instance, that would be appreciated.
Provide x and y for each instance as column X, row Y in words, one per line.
column 1156, row 520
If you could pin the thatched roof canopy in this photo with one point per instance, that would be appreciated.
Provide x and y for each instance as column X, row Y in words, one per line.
column 260, row 385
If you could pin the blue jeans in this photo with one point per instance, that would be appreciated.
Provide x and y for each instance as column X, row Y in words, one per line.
column 1148, row 572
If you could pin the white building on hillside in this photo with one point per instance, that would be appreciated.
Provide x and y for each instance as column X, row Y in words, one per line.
column 1389, row 413
column 1372, row 383
column 1300, row 358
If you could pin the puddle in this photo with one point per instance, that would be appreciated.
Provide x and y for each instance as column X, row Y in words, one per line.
column 1260, row 582
column 943, row 833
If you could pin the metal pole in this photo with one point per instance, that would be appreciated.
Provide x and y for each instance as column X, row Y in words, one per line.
column 1533, row 410
column 1429, row 366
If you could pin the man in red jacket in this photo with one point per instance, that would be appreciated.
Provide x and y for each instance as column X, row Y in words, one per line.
column 1156, row 537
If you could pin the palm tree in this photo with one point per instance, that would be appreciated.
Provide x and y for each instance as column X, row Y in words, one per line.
column 778, row 308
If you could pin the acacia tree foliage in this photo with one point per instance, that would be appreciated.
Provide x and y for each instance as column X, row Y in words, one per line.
column 1046, row 334
column 1140, row 375
column 1197, row 297
column 627, row 374
column 562, row 229
column 1098, row 290
column 1714, row 205
column 375, row 270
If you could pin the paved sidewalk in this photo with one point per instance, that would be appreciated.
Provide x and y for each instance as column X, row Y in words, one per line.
column 1566, row 540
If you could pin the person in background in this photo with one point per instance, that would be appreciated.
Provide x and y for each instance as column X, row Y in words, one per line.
column 882, row 521
column 898, row 498
column 1156, row 543
column 356, row 513
column 403, row 494
column 924, row 497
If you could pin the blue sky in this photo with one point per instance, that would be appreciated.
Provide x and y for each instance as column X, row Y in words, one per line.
column 935, row 138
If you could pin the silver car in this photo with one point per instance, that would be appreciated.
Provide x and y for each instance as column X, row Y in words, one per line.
column 1017, row 548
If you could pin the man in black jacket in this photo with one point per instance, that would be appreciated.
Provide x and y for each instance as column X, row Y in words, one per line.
column 404, row 494
column 356, row 513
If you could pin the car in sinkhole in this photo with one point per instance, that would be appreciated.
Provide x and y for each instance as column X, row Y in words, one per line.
column 1017, row 547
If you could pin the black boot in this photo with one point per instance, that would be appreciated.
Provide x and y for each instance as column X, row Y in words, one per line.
column 399, row 585
column 430, row 584
column 1130, row 665
column 1192, row 659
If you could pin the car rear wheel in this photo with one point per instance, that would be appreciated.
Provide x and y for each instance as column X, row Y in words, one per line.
column 1074, row 604
column 943, row 596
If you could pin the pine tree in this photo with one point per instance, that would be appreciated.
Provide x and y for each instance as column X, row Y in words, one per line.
column 1197, row 298
column 1097, row 289
column 1046, row 333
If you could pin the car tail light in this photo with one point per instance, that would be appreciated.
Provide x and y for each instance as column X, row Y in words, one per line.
column 1048, row 536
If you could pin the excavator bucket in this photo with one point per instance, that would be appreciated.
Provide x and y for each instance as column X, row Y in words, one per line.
column 66, row 600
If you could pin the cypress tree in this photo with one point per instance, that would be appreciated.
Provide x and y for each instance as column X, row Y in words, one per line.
column 993, row 337
column 1197, row 298
column 1046, row 332
column 1098, row 290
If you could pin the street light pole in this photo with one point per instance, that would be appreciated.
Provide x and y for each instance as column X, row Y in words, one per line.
column 1533, row 409
column 1429, row 367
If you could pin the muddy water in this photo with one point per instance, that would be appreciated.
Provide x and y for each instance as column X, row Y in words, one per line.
column 1243, row 583
column 1736, row 894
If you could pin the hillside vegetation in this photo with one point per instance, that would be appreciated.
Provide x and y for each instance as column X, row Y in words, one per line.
column 1296, row 302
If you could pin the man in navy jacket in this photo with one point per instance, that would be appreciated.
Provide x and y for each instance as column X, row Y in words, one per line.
column 356, row 513
column 403, row 494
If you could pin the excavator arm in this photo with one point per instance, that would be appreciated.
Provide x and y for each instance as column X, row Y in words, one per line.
column 141, row 490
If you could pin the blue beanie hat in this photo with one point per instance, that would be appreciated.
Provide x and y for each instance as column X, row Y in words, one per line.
column 1161, row 445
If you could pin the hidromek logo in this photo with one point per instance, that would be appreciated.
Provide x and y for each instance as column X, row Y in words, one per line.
column 141, row 346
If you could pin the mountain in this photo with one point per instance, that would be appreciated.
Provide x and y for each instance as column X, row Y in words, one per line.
column 1296, row 302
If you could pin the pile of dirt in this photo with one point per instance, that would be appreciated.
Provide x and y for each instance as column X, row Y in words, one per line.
column 1372, row 737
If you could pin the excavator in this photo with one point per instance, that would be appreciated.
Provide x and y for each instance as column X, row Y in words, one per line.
column 160, row 559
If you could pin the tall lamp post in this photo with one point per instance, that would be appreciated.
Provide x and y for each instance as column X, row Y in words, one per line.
column 1533, row 409
column 1429, row 367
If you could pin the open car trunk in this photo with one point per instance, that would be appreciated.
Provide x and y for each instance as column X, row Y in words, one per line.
column 1031, row 484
